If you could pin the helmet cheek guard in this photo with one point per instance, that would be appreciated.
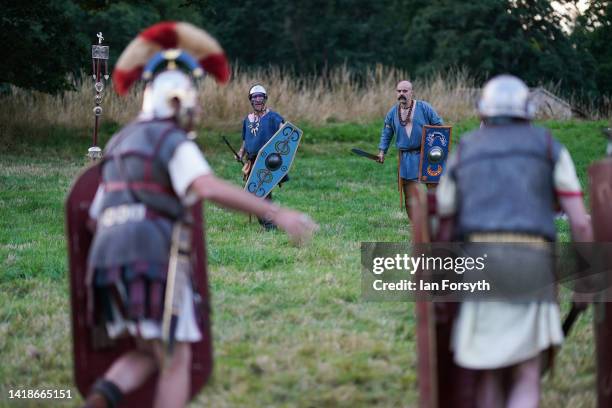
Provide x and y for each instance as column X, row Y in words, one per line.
column 162, row 92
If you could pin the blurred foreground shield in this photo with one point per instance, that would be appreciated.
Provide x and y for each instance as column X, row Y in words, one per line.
column 442, row 383
column 93, row 351
column 274, row 160
column 600, row 185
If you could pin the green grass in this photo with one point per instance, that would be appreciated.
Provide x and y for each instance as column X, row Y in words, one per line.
column 290, row 328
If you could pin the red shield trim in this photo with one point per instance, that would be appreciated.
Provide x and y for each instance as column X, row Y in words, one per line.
column 90, row 363
column 441, row 382
column 600, row 186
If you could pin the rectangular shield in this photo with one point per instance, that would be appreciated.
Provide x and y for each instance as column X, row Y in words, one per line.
column 441, row 382
column 435, row 147
column 600, row 186
column 94, row 352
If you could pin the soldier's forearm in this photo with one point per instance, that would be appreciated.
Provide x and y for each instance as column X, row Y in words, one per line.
column 227, row 195
column 579, row 220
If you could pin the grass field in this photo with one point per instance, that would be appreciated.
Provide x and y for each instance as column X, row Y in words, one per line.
column 290, row 328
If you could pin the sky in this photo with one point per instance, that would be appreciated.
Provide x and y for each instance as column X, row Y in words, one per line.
column 581, row 6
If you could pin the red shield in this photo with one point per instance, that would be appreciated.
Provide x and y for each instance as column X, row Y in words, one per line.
column 441, row 382
column 90, row 362
column 600, row 185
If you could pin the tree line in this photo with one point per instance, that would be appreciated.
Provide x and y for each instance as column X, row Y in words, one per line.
column 45, row 41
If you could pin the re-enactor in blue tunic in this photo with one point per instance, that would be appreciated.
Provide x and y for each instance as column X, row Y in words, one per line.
column 257, row 129
column 405, row 120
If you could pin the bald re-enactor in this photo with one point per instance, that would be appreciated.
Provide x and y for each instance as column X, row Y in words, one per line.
column 405, row 120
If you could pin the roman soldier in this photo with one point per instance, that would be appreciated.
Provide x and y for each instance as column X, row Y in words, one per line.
column 501, row 185
column 140, row 272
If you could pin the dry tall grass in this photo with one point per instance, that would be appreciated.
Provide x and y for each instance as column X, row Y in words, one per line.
column 338, row 95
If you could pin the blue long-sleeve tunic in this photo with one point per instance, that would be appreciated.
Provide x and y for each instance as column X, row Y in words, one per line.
column 256, row 136
column 410, row 145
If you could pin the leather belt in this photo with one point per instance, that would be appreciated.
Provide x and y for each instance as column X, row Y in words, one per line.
column 506, row 237
column 124, row 213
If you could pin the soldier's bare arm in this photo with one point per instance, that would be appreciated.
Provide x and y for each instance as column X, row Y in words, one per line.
column 579, row 220
column 298, row 225
column 569, row 193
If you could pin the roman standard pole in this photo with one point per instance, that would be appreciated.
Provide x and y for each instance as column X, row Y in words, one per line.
column 99, row 56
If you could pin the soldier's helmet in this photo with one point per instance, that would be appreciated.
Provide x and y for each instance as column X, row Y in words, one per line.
column 168, row 85
column 507, row 96
column 170, row 75
column 257, row 90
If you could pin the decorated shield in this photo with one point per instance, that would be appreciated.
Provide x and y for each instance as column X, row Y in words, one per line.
column 441, row 382
column 435, row 146
column 274, row 160
column 600, row 185
column 93, row 351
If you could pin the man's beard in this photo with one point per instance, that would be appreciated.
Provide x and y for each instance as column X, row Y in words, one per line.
column 402, row 99
column 259, row 108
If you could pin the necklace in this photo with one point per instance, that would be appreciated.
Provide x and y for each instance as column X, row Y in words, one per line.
column 254, row 125
column 404, row 121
